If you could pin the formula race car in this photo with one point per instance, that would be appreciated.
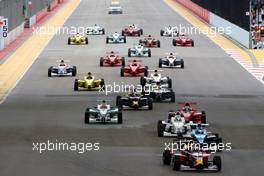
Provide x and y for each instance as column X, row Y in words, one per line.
column 182, row 40
column 115, row 8
column 112, row 59
column 89, row 83
column 200, row 135
column 169, row 31
column 171, row 61
column 62, row 69
column 77, row 40
column 174, row 126
column 103, row 113
column 132, row 30
column 134, row 68
column 149, row 41
column 139, row 51
column 192, row 160
column 116, row 38
column 95, row 30
column 134, row 101
column 156, row 79
column 192, row 114
column 159, row 93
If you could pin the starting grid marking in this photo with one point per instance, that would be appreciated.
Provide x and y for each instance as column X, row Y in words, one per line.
column 257, row 72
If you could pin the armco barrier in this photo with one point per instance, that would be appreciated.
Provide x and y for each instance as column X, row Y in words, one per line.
column 196, row 9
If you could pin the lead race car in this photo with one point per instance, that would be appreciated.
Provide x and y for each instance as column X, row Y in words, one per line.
column 174, row 126
column 116, row 38
column 169, row 31
column 77, row 39
column 190, row 112
column 135, row 101
column 182, row 40
column 191, row 159
column 62, row 69
column 171, row 61
column 139, row 50
column 115, row 8
column 89, row 83
column 103, row 113
column 132, row 30
column 95, row 30
column 156, row 78
column 134, row 68
column 149, row 41
column 112, row 59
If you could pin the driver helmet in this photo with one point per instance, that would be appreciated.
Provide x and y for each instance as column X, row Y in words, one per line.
column 156, row 73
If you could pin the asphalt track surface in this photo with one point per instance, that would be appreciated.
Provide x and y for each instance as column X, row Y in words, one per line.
column 42, row 108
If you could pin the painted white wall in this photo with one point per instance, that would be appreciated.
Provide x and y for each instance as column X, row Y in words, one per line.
column 236, row 32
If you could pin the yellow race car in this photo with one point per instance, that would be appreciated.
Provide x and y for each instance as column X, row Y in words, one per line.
column 77, row 40
column 89, row 83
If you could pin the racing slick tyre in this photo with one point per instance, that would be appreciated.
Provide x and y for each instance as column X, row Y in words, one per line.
column 118, row 98
column 119, row 118
column 142, row 81
column 107, row 39
column 124, row 39
column 160, row 128
column 150, row 104
column 217, row 162
column 149, row 53
column 87, row 117
column 141, row 31
column 192, row 43
column 74, row 71
column 49, row 72
column 203, row 117
column 169, row 83
column 123, row 61
column 69, row 41
column 76, row 87
column 182, row 63
column 161, row 32
column 123, row 33
column 160, row 63
column 173, row 97
column 103, row 31
column 166, row 157
column 146, row 71
column 122, row 72
column 86, row 41
column 101, row 62
column 129, row 52
column 174, row 42
column 158, row 44
column 177, row 163
column 102, row 84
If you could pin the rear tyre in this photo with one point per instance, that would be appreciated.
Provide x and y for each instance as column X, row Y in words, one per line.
column 203, row 117
column 173, row 97
column 192, row 43
column 118, row 98
column 69, row 41
column 160, row 63
column 166, row 157
column 160, row 128
column 74, row 71
column 102, row 84
column 146, row 71
column 76, row 87
column 217, row 162
column 149, row 53
column 87, row 116
column 124, row 39
column 119, row 118
column 142, row 81
column 182, row 63
column 169, row 83
column 173, row 42
column 103, row 31
column 129, row 52
column 150, row 104
column 123, row 61
column 141, row 31
column 101, row 62
column 49, row 72
column 161, row 32
column 158, row 44
column 122, row 72
column 86, row 41
column 107, row 39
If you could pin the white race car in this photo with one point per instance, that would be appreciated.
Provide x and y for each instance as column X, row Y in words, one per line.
column 169, row 31
column 171, row 61
column 116, row 38
column 115, row 8
column 95, row 30
column 139, row 51
column 62, row 69
column 156, row 79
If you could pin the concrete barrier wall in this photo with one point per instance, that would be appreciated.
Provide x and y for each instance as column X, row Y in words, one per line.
column 237, row 33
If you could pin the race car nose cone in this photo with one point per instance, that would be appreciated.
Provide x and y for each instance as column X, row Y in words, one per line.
column 198, row 163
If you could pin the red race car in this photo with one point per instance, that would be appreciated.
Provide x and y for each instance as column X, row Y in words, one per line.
column 192, row 114
column 149, row 41
column 132, row 30
column 134, row 68
column 182, row 40
column 112, row 59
